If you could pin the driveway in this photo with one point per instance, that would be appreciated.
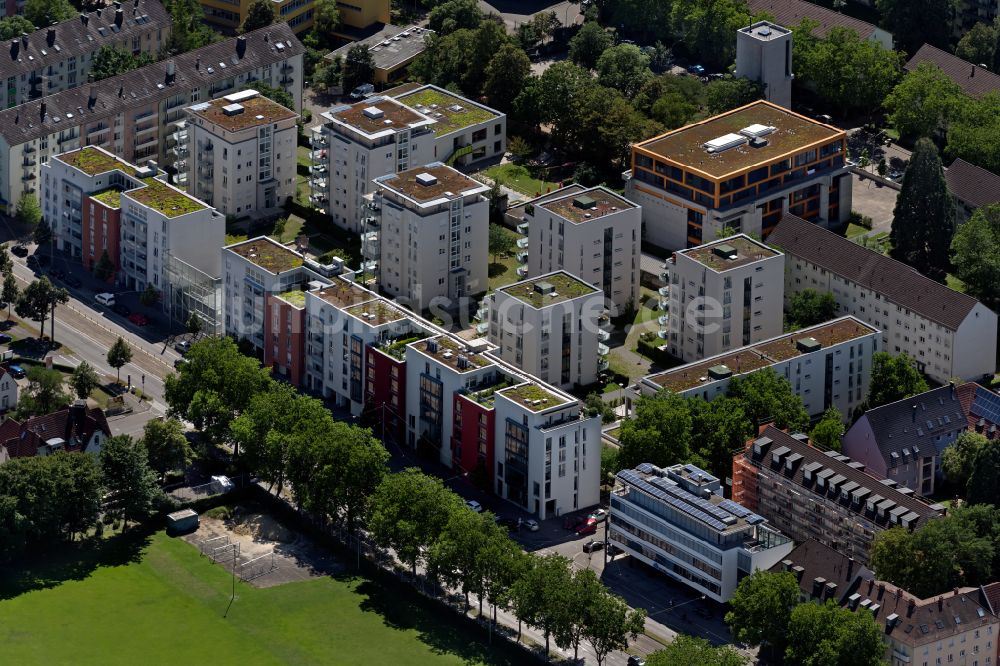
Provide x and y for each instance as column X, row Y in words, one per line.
column 515, row 12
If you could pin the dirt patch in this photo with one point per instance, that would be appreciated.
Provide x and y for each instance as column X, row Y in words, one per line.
column 263, row 551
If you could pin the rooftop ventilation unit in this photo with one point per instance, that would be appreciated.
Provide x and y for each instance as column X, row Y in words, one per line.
column 455, row 108
column 725, row 251
column 373, row 112
column 720, row 371
column 426, row 179
column 757, row 130
column 724, row 142
column 808, row 345
column 584, row 202
column 544, row 288
column 232, row 109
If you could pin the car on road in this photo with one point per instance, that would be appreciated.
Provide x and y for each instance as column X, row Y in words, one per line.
column 122, row 309
column 697, row 70
column 530, row 524
column 474, row 505
column 363, row 91
column 183, row 347
column 19, row 251
column 589, row 527
column 593, row 546
column 73, row 281
column 105, row 298
column 17, row 372
column 634, row 660
column 5, row 339
column 508, row 522
column 600, row 515
column 138, row 319
column 179, row 362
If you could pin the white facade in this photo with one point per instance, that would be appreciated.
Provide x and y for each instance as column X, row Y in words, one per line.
column 676, row 521
column 241, row 152
column 826, row 365
column 723, row 295
column 431, row 233
column 764, row 54
column 595, row 235
column 548, row 327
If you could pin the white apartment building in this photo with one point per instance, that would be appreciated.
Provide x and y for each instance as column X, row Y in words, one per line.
column 764, row 54
column 676, row 521
column 241, row 154
column 429, row 235
column 136, row 115
column 153, row 233
column 949, row 334
column 593, row 234
column 723, row 295
column 548, row 327
column 360, row 142
column 59, row 57
column 826, row 365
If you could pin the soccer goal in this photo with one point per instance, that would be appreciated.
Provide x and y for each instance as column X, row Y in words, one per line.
column 257, row 567
column 229, row 552
column 207, row 545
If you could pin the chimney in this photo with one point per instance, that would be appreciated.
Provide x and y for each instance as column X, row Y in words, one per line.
column 78, row 410
column 24, row 39
column 954, row 591
column 910, row 607
column 50, row 37
column 914, row 412
column 197, row 64
column 267, row 37
column 952, row 385
column 17, row 117
column 940, row 603
column 41, row 111
column 84, row 19
column 91, row 98
column 118, row 4
column 171, row 73
column 136, row 4
column 121, row 92
column 15, row 48
column 119, row 17
column 972, row 72
column 850, row 567
column 241, row 46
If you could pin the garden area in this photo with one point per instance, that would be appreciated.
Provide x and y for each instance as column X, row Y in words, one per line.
column 526, row 180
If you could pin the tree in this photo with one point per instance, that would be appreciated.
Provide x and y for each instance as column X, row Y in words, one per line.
column 37, row 300
column 501, row 242
column 193, row 324
column 45, row 393
column 976, row 255
column 719, row 429
column 588, row 44
column 595, row 406
column 540, row 594
column 644, row 19
column 455, row 556
column 893, row 378
column 673, row 110
column 978, row 45
column 104, row 270
column 46, row 12
column 453, row 15
column 957, row 460
column 188, row 32
column 609, row 464
column 119, row 354
column 130, row 483
column 707, row 28
column 768, row 396
column 731, row 93
column 57, row 296
column 260, row 14
column 623, row 68
column 810, row 307
column 660, row 432
column 984, row 481
column 917, row 22
column 359, row 67
column 11, row 27
column 113, row 61
column 533, row 32
column 6, row 263
column 827, row 634
column 506, row 73
column 279, row 95
column 608, row 622
column 761, row 608
column 150, row 296
column 166, row 446
column 691, row 651
column 974, row 133
column 29, row 213
column 326, row 20
column 84, row 380
column 829, row 430
column 923, row 220
column 265, row 430
column 923, row 102
column 11, row 292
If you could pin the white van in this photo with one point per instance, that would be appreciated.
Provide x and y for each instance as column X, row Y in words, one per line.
column 105, row 299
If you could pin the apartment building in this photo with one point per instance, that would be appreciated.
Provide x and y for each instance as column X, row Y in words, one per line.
column 948, row 333
column 154, row 234
column 959, row 627
column 59, row 57
column 811, row 494
column 974, row 80
column 764, row 54
column 593, row 234
column 723, row 295
column 429, row 233
column 548, row 326
column 971, row 187
column 791, row 13
column 241, row 154
column 136, row 115
column 379, row 136
column 355, row 16
column 826, row 365
column 392, row 49
column 676, row 521
column 739, row 172
column 904, row 440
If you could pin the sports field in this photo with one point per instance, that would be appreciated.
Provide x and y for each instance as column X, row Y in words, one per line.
column 162, row 603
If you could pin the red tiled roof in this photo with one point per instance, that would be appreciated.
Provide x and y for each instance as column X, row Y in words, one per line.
column 22, row 439
column 972, row 79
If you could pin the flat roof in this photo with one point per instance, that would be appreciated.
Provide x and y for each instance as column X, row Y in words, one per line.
column 376, row 312
column 449, row 352
column 343, row 294
column 164, row 198
column 792, row 133
column 761, row 355
column 255, row 110
column 449, row 112
column 267, row 254
column 391, row 46
column 533, row 396
column 747, row 252
column 112, row 198
column 92, row 161
column 294, row 297
column 587, row 205
column 393, row 115
column 564, row 287
column 446, row 180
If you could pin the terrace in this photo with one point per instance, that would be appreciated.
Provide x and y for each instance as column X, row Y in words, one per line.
column 487, row 396
column 165, row 199
column 535, row 292
column 267, row 254
column 533, row 397
column 294, row 297
column 729, row 253
column 256, row 111
column 449, row 112
column 396, row 347
column 444, row 180
column 92, row 161
column 450, row 353
column 376, row 312
column 343, row 294
column 392, row 115
column 112, row 198
column 587, row 205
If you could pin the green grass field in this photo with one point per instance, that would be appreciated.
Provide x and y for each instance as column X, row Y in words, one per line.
column 520, row 178
column 163, row 603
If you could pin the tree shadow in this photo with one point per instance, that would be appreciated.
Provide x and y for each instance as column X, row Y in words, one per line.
column 497, row 269
column 50, row 565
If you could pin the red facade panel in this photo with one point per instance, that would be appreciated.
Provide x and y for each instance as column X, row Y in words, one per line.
column 472, row 442
column 284, row 339
column 385, row 392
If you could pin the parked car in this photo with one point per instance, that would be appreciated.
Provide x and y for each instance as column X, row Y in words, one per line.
column 73, row 281
column 474, row 505
column 138, row 319
column 362, row 91
column 183, row 347
column 589, row 527
column 105, row 298
column 17, row 372
column 19, row 251
column 508, row 522
column 5, row 339
column 697, row 70
column 600, row 515
column 531, row 524
column 179, row 362
column 122, row 309
column 823, row 118
column 634, row 660
column 593, row 546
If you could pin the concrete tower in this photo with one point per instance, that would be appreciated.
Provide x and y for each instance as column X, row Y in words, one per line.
column 764, row 53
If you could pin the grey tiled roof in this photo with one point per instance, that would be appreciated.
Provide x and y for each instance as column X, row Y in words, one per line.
column 893, row 279
column 790, row 13
column 80, row 35
column 972, row 79
column 971, row 184
column 147, row 85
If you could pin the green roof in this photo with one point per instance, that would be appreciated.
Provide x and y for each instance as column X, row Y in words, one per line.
column 167, row 200
column 92, row 161
column 268, row 254
column 111, row 198
column 564, row 287
column 295, row 297
column 528, row 394
column 446, row 120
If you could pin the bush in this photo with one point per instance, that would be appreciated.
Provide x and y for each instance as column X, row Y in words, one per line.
column 860, row 220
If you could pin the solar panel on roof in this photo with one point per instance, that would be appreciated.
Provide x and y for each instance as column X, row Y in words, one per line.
column 645, row 468
column 737, row 510
column 753, row 519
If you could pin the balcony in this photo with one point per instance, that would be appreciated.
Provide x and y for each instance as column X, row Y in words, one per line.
column 602, row 364
column 317, row 169
column 522, row 243
column 603, row 335
column 663, row 336
column 319, row 184
column 482, row 313
column 287, row 68
column 145, row 130
column 522, row 271
column 29, row 162
column 662, row 319
column 602, row 349
column 482, row 328
column 93, row 133
column 28, row 176
column 522, row 257
column 664, row 291
column 180, row 136
column 146, row 143
column 319, row 142
column 179, row 151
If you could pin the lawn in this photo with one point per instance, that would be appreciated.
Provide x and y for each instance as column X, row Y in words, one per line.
column 855, row 230
column 164, row 603
column 519, row 178
column 954, row 283
column 504, row 270
column 647, row 299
